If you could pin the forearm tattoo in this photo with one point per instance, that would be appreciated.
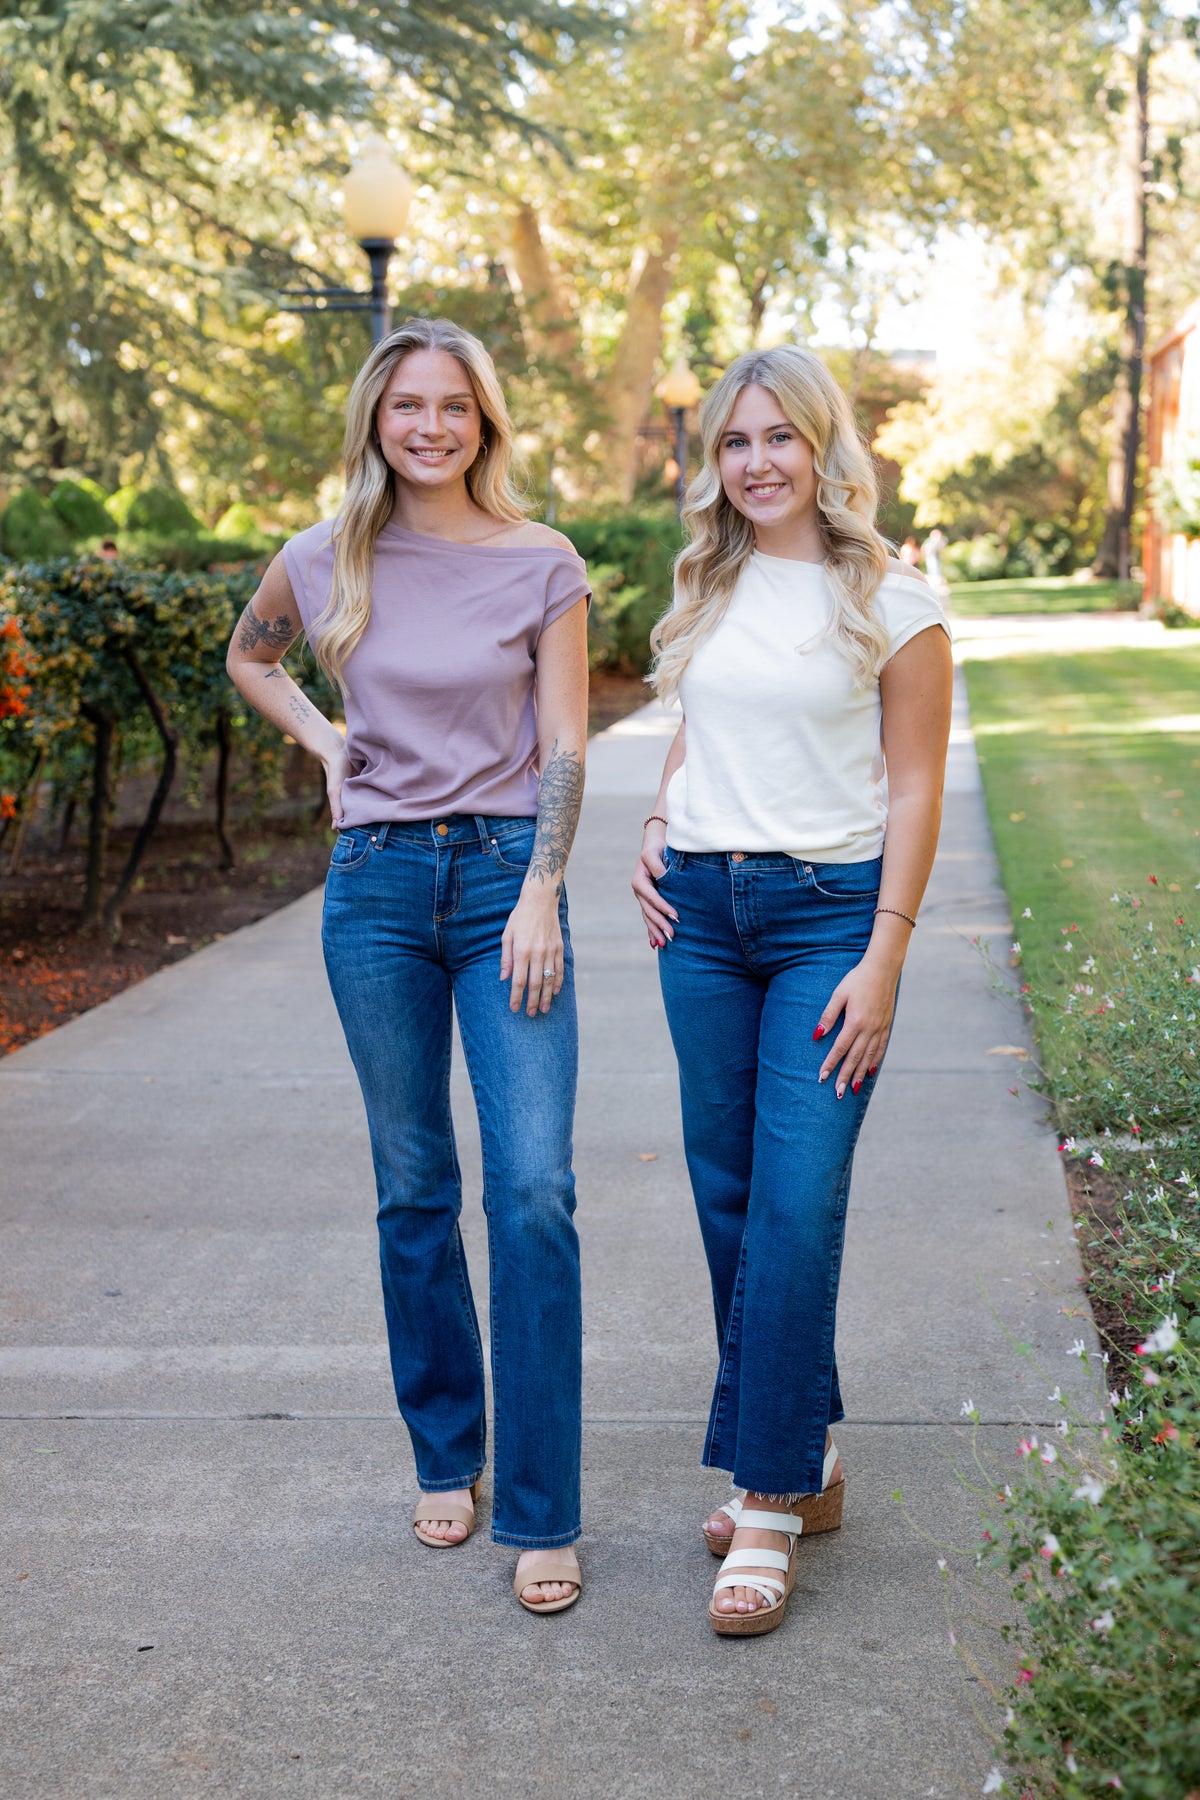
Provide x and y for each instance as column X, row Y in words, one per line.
column 276, row 634
column 560, row 796
column 298, row 707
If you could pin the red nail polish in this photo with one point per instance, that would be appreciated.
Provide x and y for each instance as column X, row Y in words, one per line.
column 855, row 1085
column 873, row 1071
column 818, row 1034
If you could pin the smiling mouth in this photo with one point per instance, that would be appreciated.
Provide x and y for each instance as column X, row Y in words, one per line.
column 429, row 455
column 765, row 490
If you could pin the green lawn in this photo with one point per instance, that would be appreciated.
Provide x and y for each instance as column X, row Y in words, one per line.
column 1091, row 763
column 1049, row 594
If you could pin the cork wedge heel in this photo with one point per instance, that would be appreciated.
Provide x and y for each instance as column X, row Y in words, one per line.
column 744, row 1568
column 820, row 1512
column 431, row 1508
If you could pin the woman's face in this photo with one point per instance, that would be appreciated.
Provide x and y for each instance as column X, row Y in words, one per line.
column 429, row 423
column 766, row 467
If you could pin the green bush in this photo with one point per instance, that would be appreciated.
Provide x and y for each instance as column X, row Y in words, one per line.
column 81, row 511
column 1103, row 1533
column 237, row 522
column 156, row 511
column 28, row 527
column 630, row 557
column 192, row 551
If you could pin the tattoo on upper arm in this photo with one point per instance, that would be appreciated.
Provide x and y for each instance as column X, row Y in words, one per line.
column 276, row 634
column 275, row 670
column 560, row 796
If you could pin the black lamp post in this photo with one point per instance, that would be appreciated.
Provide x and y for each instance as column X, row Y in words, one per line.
column 679, row 390
column 377, row 195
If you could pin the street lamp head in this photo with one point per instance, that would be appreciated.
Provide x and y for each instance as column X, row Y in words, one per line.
column 377, row 195
column 679, row 387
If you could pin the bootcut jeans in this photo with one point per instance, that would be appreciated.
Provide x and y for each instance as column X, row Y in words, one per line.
column 760, row 944
column 412, row 924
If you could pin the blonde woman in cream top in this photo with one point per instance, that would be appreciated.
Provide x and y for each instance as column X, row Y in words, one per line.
column 780, row 879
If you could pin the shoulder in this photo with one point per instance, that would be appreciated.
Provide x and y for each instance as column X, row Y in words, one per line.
column 534, row 536
column 909, row 573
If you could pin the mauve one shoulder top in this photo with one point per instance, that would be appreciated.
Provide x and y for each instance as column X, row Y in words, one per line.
column 440, row 714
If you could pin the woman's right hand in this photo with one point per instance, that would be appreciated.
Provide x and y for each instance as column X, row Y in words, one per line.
column 657, row 916
column 338, row 768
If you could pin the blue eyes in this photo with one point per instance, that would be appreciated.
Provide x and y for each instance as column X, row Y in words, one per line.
column 403, row 405
column 776, row 437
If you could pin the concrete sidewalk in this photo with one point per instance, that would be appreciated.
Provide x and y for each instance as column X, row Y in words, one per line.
column 209, row 1581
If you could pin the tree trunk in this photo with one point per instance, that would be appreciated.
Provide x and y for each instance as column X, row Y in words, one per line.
column 224, row 754
column 1115, row 556
column 98, row 813
column 28, row 805
column 550, row 325
column 170, row 742
column 68, row 820
column 631, row 381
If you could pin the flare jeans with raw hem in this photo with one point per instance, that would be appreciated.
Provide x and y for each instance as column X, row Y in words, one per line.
column 760, row 944
column 413, row 919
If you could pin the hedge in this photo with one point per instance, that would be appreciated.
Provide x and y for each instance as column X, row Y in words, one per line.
column 122, row 667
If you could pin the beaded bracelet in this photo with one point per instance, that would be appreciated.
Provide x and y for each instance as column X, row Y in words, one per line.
column 898, row 913
column 658, row 817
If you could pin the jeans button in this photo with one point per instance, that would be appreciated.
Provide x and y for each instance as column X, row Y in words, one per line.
column 443, row 831
column 738, row 856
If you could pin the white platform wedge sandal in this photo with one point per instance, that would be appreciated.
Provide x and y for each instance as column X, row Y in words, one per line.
column 820, row 1512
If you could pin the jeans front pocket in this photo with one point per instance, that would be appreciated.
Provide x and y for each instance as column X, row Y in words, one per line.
column 846, row 881
column 351, row 851
column 511, row 849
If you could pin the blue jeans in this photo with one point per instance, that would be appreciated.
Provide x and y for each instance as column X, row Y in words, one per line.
column 413, row 919
column 760, row 945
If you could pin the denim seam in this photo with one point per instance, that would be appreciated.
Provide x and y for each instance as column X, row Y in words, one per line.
column 464, row 1286
column 493, row 1322
column 448, row 1487
column 514, row 1541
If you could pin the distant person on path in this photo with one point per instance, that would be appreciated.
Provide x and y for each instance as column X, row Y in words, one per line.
column 781, row 918
column 456, row 630
column 931, row 555
column 108, row 551
column 910, row 552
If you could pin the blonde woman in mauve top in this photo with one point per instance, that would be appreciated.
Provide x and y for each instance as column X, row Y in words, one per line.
column 456, row 631
column 780, row 880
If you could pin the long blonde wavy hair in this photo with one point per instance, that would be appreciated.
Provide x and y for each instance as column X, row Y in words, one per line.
column 370, row 481
column 722, row 538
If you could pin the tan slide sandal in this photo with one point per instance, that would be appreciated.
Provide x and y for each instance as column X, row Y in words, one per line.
column 549, row 1571
column 431, row 1508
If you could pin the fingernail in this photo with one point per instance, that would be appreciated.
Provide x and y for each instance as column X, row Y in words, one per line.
column 873, row 1071
column 824, row 1075
column 840, row 1092
column 855, row 1085
column 818, row 1034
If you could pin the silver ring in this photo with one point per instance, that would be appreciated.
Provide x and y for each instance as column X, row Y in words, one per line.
column 547, row 974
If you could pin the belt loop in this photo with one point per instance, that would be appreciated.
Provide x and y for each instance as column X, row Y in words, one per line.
column 481, row 828
column 381, row 836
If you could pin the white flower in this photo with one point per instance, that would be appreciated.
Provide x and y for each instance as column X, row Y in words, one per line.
column 1090, row 1490
column 1014, row 949
column 967, row 1409
column 1096, row 1160
column 1072, row 1766
column 1164, row 1338
column 1105, row 1622
column 1050, row 1544
column 1049, row 1453
column 941, row 1562
column 1078, row 1348
column 1057, row 1394
column 994, row 1783
column 1087, row 967
column 1063, row 1429
column 1027, row 914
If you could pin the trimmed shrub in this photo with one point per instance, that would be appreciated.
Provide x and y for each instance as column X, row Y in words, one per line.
column 155, row 511
column 237, row 522
column 28, row 527
column 81, row 511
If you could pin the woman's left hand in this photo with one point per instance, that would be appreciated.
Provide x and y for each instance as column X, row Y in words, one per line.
column 531, row 950
column 865, row 1001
